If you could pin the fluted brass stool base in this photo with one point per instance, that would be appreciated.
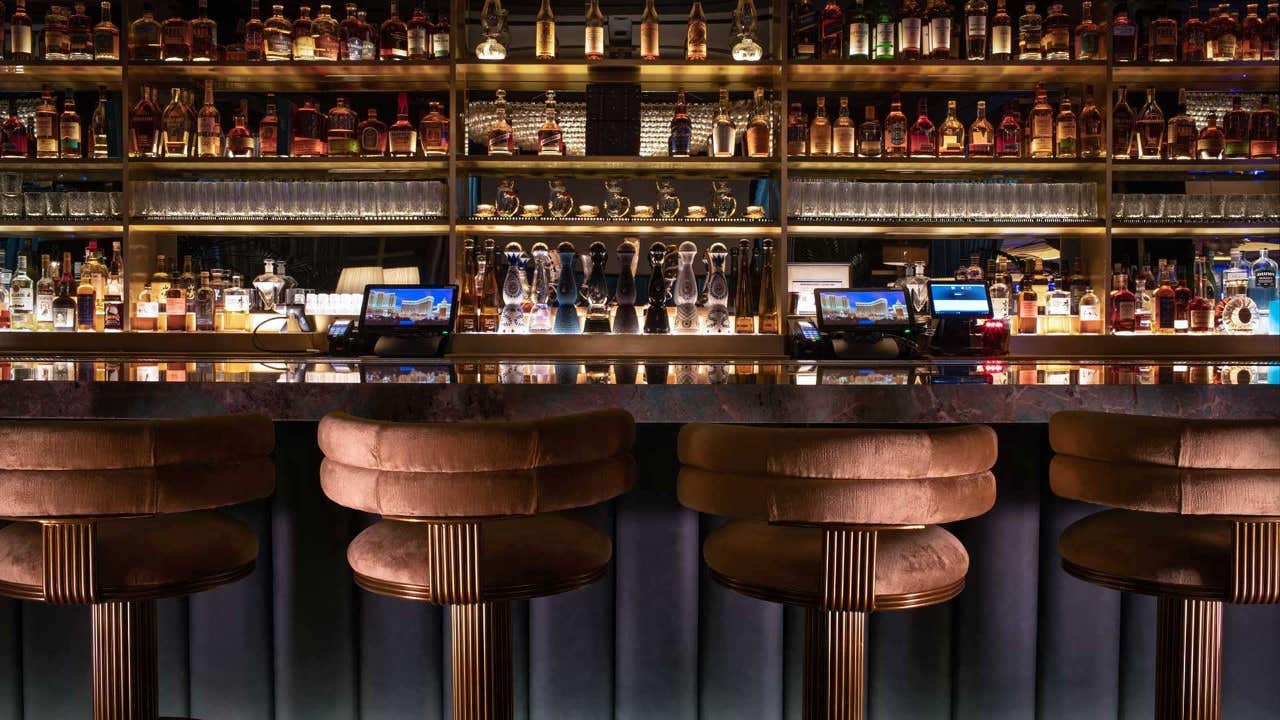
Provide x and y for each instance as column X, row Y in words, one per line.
column 834, row 664
column 125, row 684
column 481, row 650
column 1188, row 659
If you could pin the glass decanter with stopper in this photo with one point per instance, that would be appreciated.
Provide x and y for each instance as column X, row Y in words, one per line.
column 685, row 291
column 668, row 203
column 723, row 204
column 745, row 46
column 617, row 204
column 550, row 136
column 511, row 320
column 507, row 201
column 501, row 138
column 493, row 22
column 540, row 290
column 595, row 288
column 656, row 321
column 718, row 318
column 625, row 321
column 559, row 201
column 566, row 291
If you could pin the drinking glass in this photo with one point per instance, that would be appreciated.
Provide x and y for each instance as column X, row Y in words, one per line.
column 826, row 198
column 1175, row 206
column 1235, row 206
column 34, row 202
column 795, row 203
column 99, row 204
column 10, row 183
column 1030, row 203
column 1117, row 205
column 369, row 200
column 1194, row 206
column 1215, row 206
column 55, row 204
column 1255, row 206
column 1135, row 208
column 1153, row 206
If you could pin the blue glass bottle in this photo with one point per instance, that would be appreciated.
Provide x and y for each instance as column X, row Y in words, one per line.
column 567, row 292
column 681, row 140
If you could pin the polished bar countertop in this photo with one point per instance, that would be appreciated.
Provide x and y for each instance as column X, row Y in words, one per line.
column 950, row 391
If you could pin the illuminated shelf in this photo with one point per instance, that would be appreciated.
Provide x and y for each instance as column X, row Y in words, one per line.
column 944, row 229
column 651, row 74
column 949, row 165
column 627, row 165
column 60, row 75
column 32, row 227
column 1144, row 345
column 1193, row 166
column 941, row 74
column 551, row 346
column 291, row 76
column 101, row 345
column 1208, row 226
column 268, row 227
column 18, row 165
column 622, row 227
column 1238, row 75
column 322, row 164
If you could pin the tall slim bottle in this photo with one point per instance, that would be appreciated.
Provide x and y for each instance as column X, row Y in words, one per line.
column 1093, row 129
column 209, row 126
column 1041, row 125
column 895, row 130
column 975, row 20
column 820, row 138
column 649, row 32
column 1001, row 34
column 860, row 32
column 744, row 317
column 696, row 37
column 770, row 319
column 723, row 132
column 831, row 31
column 1123, row 142
column 681, row 138
column 593, row 38
column 544, row 39
column 843, row 132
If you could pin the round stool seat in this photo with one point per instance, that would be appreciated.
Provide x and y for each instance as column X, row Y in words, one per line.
column 519, row 558
column 1154, row 554
column 1166, row 488
column 783, row 563
column 139, row 559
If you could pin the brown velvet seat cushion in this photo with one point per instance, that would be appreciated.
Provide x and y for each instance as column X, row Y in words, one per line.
column 805, row 499
column 139, row 558
column 61, row 468
column 1166, row 489
column 1150, row 553
column 1175, row 442
column 519, row 557
column 783, row 563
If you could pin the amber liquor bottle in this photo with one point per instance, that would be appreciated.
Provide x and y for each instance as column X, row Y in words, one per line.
column 759, row 135
column 240, row 141
column 843, row 133
column 895, row 130
column 341, row 137
column 870, row 143
column 47, row 141
column 433, row 131
column 70, row 134
column 204, row 35
column 175, row 39
column 402, row 138
column 981, row 134
column 770, row 319
column 208, row 126
column 254, row 38
column 372, row 135
column 269, row 130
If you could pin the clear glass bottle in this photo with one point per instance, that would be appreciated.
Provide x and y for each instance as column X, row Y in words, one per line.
column 433, row 131
column 1057, row 310
column 1124, row 37
column 745, row 47
column 680, row 140
column 57, row 38
column 1066, row 131
column 1056, row 41
column 402, row 137
column 1031, row 34
column 1124, row 143
column 1162, row 41
column 999, row 292
column 501, row 139
column 208, row 126
column 922, row 140
column 237, row 301
column 1150, row 128
column 951, row 134
column 46, row 289
column 982, row 142
column 593, row 29
column 869, row 135
column 1264, row 125
column 1001, row 34
column 70, row 134
column 820, row 139
column 550, row 136
column 1262, row 282
column 175, row 39
column 544, row 38
column 723, row 132
column 975, row 20
column 324, row 29
column 341, row 137
column 1181, row 133
column 1041, row 126
column 393, row 36
column 843, row 132
column 240, row 141
column 493, row 21
column 696, row 34
column 98, row 127
column 64, row 305
column 21, row 297
column 650, row 44
column 278, row 34
column 759, row 134
column 896, row 129
column 1093, row 130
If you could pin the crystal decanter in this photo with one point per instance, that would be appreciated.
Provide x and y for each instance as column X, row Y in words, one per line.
column 493, row 22
column 685, row 291
column 617, row 204
column 668, row 204
column 625, row 321
column 559, row 201
column 507, row 202
column 717, row 288
column 655, row 315
column 512, row 318
column 595, row 288
column 540, row 316
column 567, row 291
column 723, row 204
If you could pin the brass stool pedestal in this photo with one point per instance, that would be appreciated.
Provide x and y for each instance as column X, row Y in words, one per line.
column 481, row 654
column 125, row 680
column 1188, row 659
column 835, row 669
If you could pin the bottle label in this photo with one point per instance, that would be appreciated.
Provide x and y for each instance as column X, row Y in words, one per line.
column 1088, row 43
column 549, row 143
column 884, row 39
column 267, row 140
column 999, row 308
column 355, row 48
column 500, row 140
column 418, row 41
column 64, row 318
column 86, row 308
column 175, row 34
column 279, row 45
column 1002, row 40
column 1042, row 126
column 207, row 125
column 1057, row 40
column 977, row 26
column 1126, row 310
column 327, row 47
column 440, row 45
column 940, row 34
column 1124, row 30
column 304, row 47
column 236, row 302
column 1028, row 308
column 105, row 45
column 175, row 306
column 149, row 309
column 1165, row 311
column 44, row 307
column 595, row 41
column 20, row 39
column 112, row 315
column 859, row 40
column 1264, row 278
column 254, row 43
column 44, row 127
column 897, row 134
column 1164, row 35
column 546, row 39
column 649, row 40
column 910, row 34
column 1089, row 313
column 1058, row 305
column 21, row 299
column 369, row 140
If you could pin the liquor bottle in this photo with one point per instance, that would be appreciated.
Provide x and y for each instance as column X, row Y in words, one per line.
column 1123, row 303
column 723, row 131
column 205, row 305
column 350, row 35
column 487, row 286
column 1200, row 308
column 649, row 32
column 269, row 130
column 369, row 40
column 922, row 140
column 1149, row 128
column 240, row 142
column 1057, row 309
column 939, row 18
column 1089, row 313
column 1162, row 42
column 372, row 135
column 759, row 135
column 745, row 47
column 820, row 131
column 1028, row 306
column 1066, row 131
column 797, row 132
column 1088, row 35
column 1056, row 41
column 982, row 135
column 1041, row 126
column 545, row 32
column 593, row 32
column 1164, row 303
column 70, row 142
column 209, row 126
column 304, row 42
column 696, row 36
column 46, row 127
column 1224, row 36
column 1181, row 134
column 1009, row 134
column 831, row 31
column 64, row 306
column 1001, row 34
column 951, row 134
column 680, row 140
column 325, row 31
column 113, row 292
column 468, row 296
column 80, row 34
column 1124, row 37
column 402, row 138
column 843, row 132
column 770, row 319
column 15, row 142
column 278, row 34
column 46, row 289
column 895, row 129
column 418, row 35
column 106, row 36
column 1077, row 283
column 1271, row 32
column 21, row 297
column 175, row 39
column 859, row 32
column 393, row 36
column 341, row 137
column 57, row 40
column 144, row 126
column 204, row 34
column 501, row 139
column 175, row 307
column 911, row 31
column 804, row 30
column 975, row 20
column 550, row 136
column 309, row 131
column 255, row 47
column 1210, row 143
column 92, row 277
column 1194, row 38
column 1031, row 34
column 433, row 131
column 1235, row 129
column 886, row 31
column 441, row 45
column 1262, row 282
column 869, row 135
column 21, row 50
column 1092, row 128
column 1264, row 125
column 1182, row 297
column 1123, row 139
column 999, row 292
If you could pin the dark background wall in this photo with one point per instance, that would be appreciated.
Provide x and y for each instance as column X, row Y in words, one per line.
column 655, row 640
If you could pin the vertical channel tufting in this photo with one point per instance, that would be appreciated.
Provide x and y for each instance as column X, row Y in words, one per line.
column 482, row 679
column 453, row 559
column 1188, row 659
column 125, row 684
column 68, row 562
column 849, row 569
column 1255, row 562
column 834, row 664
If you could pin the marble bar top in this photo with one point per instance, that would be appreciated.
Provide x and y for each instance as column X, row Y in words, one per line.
column 657, row 393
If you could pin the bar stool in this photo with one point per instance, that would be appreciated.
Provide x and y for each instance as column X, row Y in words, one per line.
column 842, row 522
column 1197, row 525
column 116, row 515
column 470, row 521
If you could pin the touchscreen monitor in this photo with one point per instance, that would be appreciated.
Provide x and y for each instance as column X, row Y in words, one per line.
column 862, row 308
column 959, row 299
column 408, row 308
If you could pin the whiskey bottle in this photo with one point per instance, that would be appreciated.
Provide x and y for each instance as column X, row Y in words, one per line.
column 1028, row 305
column 911, row 31
column 820, row 139
column 372, row 134
column 545, row 32
column 939, row 15
column 70, row 141
column 843, row 133
column 1164, row 304
column 309, row 131
column 999, row 292
column 1031, row 34
column 205, row 301
column 269, row 130
column 92, row 280
column 869, row 138
column 325, row 30
column 98, row 127
column 1066, row 131
column 1089, row 313
column 1181, row 133
column 393, row 37
column 696, row 36
column 433, row 131
column 649, row 36
column 770, row 319
column 1235, row 128
column 1271, row 32
column 1124, row 37
column 1057, row 309
column 922, row 141
column 47, row 143
column 204, row 35
column 593, row 32
column 240, row 142
column 501, row 139
column 1123, row 141
column 304, row 42
column 440, row 42
column 1200, row 309
column 21, row 47
column 175, row 39
column 1264, row 125
column 1210, row 143
column 341, row 138
column 113, row 292
column 859, row 32
column 255, row 47
column 1009, row 134
column 1150, row 128
column 831, row 31
column 402, row 138
column 723, row 131
column 57, row 40
column 1124, row 304
column 46, row 289
column 886, row 31
column 1001, row 34
column 350, row 35
column 1224, row 36
column 797, row 132
column 418, row 33
column 80, row 33
column 1056, row 42
column 1194, row 38
column 15, row 142
column 680, row 140
column 804, row 30
column 278, row 33
column 895, row 130
column 1088, row 35
column 64, row 306
column 468, row 304
column 975, row 20
column 144, row 126
column 106, row 36
column 209, row 126
column 550, row 136
column 951, row 134
column 1162, row 42
column 982, row 135
column 487, row 286
column 759, row 134
column 21, row 295
column 1041, row 125
column 175, row 307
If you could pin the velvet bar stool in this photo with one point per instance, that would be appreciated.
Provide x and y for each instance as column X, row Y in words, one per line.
column 115, row 515
column 1197, row 525
column 842, row 522
column 470, row 521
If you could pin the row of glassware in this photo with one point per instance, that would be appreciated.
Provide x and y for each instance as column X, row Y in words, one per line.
column 290, row 199
column 965, row 201
column 1147, row 207
column 71, row 204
